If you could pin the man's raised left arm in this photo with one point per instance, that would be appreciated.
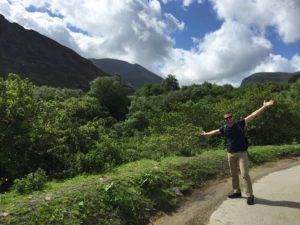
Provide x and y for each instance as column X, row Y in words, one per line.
column 258, row 111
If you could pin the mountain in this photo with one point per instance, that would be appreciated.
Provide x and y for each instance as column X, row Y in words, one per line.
column 42, row 60
column 134, row 74
column 271, row 77
column 295, row 77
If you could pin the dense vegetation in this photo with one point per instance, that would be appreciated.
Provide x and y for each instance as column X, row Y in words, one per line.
column 130, row 194
column 51, row 134
column 67, row 132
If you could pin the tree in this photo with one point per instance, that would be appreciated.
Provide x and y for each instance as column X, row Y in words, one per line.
column 113, row 94
column 18, row 114
column 170, row 83
column 150, row 90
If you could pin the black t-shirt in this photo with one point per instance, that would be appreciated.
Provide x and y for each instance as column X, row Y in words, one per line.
column 236, row 140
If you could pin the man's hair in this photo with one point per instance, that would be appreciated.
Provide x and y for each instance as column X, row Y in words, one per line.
column 228, row 113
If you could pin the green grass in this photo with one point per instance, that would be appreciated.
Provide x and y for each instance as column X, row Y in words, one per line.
column 129, row 194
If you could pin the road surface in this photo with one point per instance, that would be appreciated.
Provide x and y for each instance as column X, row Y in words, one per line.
column 209, row 203
column 277, row 202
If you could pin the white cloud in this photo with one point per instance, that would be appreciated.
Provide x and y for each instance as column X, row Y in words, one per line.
column 277, row 63
column 132, row 30
column 4, row 8
column 296, row 62
column 52, row 27
column 28, row 3
column 225, row 53
column 173, row 23
column 184, row 3
column 139, row 31
column 187, row 2
column 282, row 15
column 155, row 6
column 240, row 47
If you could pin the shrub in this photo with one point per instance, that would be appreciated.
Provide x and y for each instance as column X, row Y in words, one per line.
column 157, row 184
column 32, row 182
column 128, row 201
column 107, row 154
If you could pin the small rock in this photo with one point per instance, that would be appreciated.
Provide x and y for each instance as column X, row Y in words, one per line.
column 5, row 214
column 48, row 198
column 81, row 203
column 177, row 192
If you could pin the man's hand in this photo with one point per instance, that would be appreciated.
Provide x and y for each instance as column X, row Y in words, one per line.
column 268, row 103
column 258, row 111
column 202, row 134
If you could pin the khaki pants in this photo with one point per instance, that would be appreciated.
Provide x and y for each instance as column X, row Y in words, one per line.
column 239, row 161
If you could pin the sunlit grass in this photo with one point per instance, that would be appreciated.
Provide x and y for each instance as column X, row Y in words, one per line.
column 151, row 184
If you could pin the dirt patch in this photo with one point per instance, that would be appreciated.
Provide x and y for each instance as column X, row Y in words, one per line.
column 196, row 208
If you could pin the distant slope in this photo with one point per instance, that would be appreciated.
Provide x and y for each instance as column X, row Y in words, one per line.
column 134, row 74
column 42, row 60
column 295, row 77
column 265, row 77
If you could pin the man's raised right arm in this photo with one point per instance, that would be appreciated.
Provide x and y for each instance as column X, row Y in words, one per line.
column 210, row 133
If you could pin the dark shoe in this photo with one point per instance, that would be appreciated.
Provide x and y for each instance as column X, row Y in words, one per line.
column 235, row 195
column 250, row 200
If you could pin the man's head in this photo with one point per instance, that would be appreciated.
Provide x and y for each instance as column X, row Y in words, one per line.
column 228, row 118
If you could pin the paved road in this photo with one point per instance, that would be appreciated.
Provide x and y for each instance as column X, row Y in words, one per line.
column 277, row 202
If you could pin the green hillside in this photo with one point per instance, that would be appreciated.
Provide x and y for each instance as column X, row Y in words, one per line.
column 114, row 156
column 41, row 59
column 270, row 77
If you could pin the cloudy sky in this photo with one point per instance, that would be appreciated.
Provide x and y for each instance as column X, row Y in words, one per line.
column 219, row 41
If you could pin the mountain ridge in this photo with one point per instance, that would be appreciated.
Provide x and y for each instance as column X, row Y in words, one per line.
column 134, row 74
column 41, row 59
column 273, row 77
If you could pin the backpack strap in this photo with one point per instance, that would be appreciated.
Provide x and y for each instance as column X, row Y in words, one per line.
column 243, row 132
column 240, row 129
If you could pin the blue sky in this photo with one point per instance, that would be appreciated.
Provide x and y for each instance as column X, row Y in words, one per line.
column 219, row 41
column 198, row 19
column 279, row 47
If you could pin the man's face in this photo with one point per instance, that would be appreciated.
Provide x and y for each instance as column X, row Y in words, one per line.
column 228, row 119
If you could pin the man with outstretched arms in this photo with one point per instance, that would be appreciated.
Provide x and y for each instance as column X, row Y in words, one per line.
column 237, row 146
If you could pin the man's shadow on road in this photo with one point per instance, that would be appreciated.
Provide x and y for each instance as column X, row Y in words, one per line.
column 288, row 204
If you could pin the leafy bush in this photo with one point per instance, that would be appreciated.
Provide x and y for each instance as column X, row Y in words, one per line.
column 174, row 140
column 128, row 200
column 106, row 155
column 132, row 193
column 68, row 132
column 261, row 154
column 74, row 209
column 32, row 182
column 157, row 184
column 112, row 93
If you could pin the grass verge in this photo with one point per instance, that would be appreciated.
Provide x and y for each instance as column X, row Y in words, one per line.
column 129, row 195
